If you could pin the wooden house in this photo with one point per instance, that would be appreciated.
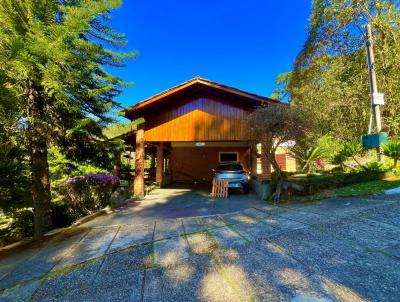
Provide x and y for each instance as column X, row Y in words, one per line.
column 191, row 128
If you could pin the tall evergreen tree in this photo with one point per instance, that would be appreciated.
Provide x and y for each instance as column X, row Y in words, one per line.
column 52, row 58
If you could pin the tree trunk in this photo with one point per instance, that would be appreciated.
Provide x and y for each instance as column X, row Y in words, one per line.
column 117, row 164
column 278, row 174
column 37, row 139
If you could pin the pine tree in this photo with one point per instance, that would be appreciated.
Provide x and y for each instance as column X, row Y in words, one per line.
column 52, row 58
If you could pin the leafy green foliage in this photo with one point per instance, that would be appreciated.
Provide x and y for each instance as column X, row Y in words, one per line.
column 309, row 158
column 120, row 129
column 330, row 79
column 366, row 188
column 53, row 56
column 273, row 126
column 350, row 149
column 22, row 225
column 87, row 194
column 392, row 150
column 374, row 167
column 335, row 180
column 14, row 178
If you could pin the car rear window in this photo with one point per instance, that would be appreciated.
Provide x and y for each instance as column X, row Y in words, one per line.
column 230, row 167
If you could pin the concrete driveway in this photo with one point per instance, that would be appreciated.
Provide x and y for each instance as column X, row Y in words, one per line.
column 333, row 250
column 178, row 201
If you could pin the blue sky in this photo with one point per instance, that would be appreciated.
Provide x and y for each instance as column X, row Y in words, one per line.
column 244, row 44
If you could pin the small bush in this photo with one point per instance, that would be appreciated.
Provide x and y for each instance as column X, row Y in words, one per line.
column 375, row 168
column 119, row 197
column 22, row 225
column 317, row 183
column 60, row 215
column 85, row 195
column 392, row 150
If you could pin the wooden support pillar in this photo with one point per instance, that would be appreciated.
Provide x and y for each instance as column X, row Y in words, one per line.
column 160, row 164
column 138, row 186
column 253, row 159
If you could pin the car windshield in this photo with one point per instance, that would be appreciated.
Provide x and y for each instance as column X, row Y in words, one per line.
column 230, row 167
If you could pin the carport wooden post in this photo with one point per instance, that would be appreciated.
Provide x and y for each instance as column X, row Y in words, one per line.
column 160, row 164
column 138, row 186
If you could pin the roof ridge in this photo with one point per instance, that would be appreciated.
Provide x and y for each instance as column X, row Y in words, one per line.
column 198, row 79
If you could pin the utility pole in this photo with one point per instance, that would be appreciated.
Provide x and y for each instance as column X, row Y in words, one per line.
column 373, row 86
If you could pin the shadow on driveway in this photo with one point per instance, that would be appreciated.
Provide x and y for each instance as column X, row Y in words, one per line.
column 178, row 201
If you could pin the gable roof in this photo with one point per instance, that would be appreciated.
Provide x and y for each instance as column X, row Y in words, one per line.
column 254, row 99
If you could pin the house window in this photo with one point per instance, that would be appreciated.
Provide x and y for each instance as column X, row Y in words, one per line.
column 228, row 156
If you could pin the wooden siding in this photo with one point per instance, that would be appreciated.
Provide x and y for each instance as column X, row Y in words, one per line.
column 281, row 161
column 196, row 163
column 201, row 118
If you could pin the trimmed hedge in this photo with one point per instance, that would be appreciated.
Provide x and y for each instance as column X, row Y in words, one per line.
column 316, row 183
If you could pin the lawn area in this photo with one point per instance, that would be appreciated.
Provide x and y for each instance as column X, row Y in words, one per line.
column 371, row 187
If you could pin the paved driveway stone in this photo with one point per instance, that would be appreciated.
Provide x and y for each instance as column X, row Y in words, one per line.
column 211, row 222
column 95, row 244
column 196, row 280
column 168, row 228
column 227, row 238
column 40, row 263
column 283, row 224
column 280, row 278
column 368, row 233
column 129, row 235
column 202, row 243
column 389, row 214
column 333, row 250
column 255, row 231
column 316, row 249
column 56, row 287
column 172, row 251
column 235, row 218
column 192, row 225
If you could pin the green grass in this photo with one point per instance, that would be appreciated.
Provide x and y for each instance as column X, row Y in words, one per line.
column 367, row 188
column 4, row 220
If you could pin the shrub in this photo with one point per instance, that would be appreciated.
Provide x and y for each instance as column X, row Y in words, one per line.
column 334, row 180
column 392, row 150
column 375, row 168
column 14, row 178
column 22, row 225
column 310, row 159
column 349, row 150
column 119, row 197
column 60, row 215
column 87, row 194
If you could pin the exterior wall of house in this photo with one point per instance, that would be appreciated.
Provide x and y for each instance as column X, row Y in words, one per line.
column 285, row 160
column 190, row 164
column 207, row 117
